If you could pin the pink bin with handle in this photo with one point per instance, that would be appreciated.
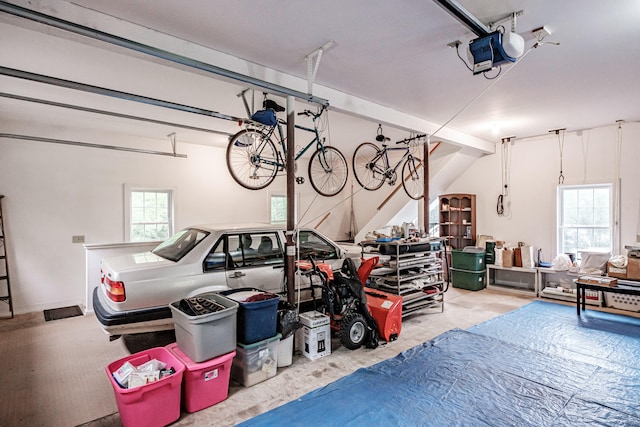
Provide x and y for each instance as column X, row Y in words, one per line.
column 204, row 383
column 154, row 404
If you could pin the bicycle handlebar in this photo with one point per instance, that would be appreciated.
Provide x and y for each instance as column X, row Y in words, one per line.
column 408, row 140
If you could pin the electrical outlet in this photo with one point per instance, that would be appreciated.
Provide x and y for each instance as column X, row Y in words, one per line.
column 77, row 239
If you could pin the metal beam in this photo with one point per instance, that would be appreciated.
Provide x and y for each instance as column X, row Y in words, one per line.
column 40, row 78
column 155, row 52
column 88, row 144
column 110, row 113
column 465, row 17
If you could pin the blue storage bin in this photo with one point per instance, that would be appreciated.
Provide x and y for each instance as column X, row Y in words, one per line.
column 257, row 320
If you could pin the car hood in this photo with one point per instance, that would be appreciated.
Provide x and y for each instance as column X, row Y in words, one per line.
column 133, row 262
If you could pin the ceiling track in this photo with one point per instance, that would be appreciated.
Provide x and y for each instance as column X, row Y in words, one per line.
column 155, row 52
column 41, row 78
column 89, row 145
column 110, row 113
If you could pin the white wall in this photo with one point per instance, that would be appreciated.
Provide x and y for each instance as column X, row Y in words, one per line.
column 55, row 191
column 535, row 167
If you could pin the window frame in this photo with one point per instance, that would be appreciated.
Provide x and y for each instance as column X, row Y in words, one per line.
column 561, row 227
column 129, row 190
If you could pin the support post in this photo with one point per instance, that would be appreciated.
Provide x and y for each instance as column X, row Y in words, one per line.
column 290, row 267
column 425, row 198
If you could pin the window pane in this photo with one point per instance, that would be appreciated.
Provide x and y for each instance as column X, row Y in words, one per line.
column 585, row 218
column 150, row 215
column 278, row 208
column 137, row 199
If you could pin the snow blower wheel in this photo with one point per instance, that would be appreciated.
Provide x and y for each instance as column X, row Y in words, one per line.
column 353, row 331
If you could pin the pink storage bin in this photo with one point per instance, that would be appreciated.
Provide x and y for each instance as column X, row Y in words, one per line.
column 150, row 405
column 205, row 383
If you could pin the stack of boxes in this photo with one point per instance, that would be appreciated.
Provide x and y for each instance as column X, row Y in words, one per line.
column 206, row 345
column 257, row 338
column 468, row 269
column 198, row 364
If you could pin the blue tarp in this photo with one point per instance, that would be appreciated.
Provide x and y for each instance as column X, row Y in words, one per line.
column 540, row 365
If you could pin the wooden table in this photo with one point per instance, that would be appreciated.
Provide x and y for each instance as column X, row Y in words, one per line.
column 623, row 287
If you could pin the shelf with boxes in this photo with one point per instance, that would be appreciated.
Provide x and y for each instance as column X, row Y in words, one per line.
column 468, row 268
column 413, row 271
column 559, row 284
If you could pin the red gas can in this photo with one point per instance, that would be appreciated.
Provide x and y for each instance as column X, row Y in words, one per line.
column 386, row 308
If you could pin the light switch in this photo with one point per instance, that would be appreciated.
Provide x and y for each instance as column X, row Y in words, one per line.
column 77, row 239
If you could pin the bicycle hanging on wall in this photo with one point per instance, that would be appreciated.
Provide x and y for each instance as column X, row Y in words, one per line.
column 254, row 159
column 371, row 165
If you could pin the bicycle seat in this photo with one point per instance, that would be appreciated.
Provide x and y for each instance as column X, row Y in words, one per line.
column 272, row 105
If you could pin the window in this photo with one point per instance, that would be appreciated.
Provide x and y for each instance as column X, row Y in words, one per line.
column 150, row 215
column 585, row 218
column 278, row 209
column 313, row 244
column 434, row 218
column 245, row 250
column 180, row 244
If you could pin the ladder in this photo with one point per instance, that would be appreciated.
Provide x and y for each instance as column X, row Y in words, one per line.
column 5, row 285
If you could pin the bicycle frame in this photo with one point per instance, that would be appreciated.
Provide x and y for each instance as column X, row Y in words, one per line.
column 281, row 140
column 385, row 152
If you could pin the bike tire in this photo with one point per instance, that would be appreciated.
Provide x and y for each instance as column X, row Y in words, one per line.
column 413, row 178
column 368, row 173
column 328, row 171
column 252, row 159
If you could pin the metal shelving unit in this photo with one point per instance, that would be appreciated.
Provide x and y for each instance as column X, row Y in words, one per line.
column 414, row 273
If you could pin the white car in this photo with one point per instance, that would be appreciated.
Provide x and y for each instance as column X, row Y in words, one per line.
column 136, row 289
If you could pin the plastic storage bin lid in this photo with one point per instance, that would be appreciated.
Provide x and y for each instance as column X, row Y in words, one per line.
column 249, row 347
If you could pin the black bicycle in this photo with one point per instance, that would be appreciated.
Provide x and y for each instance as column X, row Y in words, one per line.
column 372, row 168
column 254, row 159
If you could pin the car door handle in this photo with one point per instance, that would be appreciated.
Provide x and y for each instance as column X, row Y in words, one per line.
column 237, row 274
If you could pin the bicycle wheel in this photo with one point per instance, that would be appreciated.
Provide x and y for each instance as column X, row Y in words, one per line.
column 368, row 166
column 252, row 159
column 413, row 178
column 328, row 171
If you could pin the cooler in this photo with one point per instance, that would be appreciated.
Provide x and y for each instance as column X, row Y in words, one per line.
column 203, row 384
column 386, row 309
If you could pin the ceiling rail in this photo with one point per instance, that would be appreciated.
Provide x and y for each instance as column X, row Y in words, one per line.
column 110, row 113
column 89, row 145
column 41, row 78
column 155, row 52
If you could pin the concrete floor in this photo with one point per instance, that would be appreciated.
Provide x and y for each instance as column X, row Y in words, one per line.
column 53, row 373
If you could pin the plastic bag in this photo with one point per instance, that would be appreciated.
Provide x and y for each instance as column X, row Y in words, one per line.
column 594, row 262
column 561, row 262
column 288, row 320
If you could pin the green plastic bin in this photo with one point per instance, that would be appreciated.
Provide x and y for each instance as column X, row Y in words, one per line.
column 467, row 260
column 470, row 280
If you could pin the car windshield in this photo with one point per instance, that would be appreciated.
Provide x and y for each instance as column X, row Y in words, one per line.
column 178, row 245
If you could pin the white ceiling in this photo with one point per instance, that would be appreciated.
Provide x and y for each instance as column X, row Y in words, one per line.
column 395, row 54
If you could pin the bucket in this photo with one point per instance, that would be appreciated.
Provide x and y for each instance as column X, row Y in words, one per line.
column 285, row 351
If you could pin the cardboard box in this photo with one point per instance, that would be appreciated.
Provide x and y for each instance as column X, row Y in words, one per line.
column 599, row 280
column 620, row 273
column 313, row 319
column 631, row 271
column 633, row 268
column 314, row 343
